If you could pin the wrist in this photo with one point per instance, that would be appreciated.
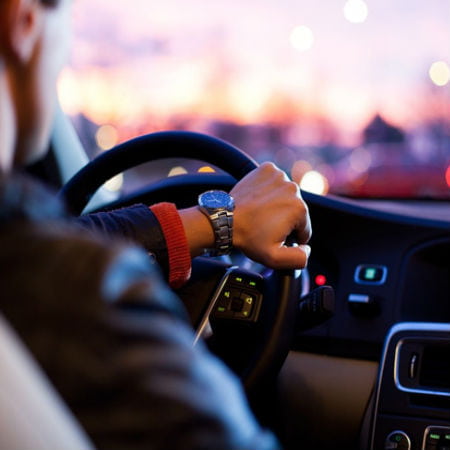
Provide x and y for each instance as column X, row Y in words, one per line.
column 198, row 230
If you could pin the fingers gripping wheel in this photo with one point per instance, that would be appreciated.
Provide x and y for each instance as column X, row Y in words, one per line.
column 253, row 349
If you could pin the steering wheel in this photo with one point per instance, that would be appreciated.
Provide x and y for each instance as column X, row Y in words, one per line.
column 254, row 346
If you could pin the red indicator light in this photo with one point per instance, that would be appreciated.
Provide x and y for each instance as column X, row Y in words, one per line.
column 320, row 280
column 447, row 176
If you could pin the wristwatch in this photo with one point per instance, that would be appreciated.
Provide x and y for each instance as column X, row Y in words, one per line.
column 218, row 206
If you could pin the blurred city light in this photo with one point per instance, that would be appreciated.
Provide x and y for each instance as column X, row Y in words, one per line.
column 356, row 11
column 440, row 73
column 206, row 169
column 314, row 182
column 302, row 38
column 142, row 70
column 177, row 170
column 115, row 183
column 106, row 137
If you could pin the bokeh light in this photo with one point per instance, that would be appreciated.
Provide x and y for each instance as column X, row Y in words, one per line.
column 314, row 182
column 302, row 38
column 356, row 11
column 177, row 170
column 439, row 73
column 106, row 137
column 206, row 169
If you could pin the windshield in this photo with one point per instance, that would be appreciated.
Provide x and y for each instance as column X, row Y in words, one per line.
column 349, row 97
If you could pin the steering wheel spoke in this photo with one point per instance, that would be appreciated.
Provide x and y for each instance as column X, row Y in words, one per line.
column 253, row 323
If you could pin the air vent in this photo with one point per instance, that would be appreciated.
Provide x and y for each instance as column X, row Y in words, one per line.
column 423, row 366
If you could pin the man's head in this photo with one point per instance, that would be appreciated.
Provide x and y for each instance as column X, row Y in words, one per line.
column 34, row 43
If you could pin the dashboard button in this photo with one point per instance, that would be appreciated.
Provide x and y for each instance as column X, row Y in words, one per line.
column 364, row 305
column 360, row 298
column 370, row 274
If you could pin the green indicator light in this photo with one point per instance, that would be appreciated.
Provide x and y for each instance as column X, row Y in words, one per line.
column 221, row 309
column 447, row 436
column 398, row 437
column 238, row 279
column 227, row 294
column 245, row 313
column 252, row 283
column 435, row 436
column 370, row 274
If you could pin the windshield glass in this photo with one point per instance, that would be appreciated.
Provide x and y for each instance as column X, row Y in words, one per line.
column 350, row 97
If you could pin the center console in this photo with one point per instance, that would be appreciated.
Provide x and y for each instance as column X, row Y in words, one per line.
column 412, row 398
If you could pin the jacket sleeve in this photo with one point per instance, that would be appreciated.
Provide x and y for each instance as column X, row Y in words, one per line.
column 135, row 223
column 116, row 344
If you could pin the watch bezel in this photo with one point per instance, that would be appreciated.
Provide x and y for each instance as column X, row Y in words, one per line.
column 209, row 200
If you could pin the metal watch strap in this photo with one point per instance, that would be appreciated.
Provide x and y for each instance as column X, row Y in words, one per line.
column 222, row 222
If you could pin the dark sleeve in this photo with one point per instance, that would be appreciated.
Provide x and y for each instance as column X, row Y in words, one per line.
column 135, row 223
column 116, row 344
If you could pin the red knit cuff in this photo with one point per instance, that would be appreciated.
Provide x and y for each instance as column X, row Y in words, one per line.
column 176, row 241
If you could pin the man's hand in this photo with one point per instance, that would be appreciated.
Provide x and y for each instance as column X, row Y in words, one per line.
column 269, row 208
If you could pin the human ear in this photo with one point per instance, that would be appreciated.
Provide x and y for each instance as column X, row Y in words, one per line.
column 21, row 25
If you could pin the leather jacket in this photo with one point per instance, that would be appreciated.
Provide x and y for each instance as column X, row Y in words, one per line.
column 114, row 340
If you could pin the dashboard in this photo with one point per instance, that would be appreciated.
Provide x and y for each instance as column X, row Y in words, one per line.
column 387, row 262
column 376, row 375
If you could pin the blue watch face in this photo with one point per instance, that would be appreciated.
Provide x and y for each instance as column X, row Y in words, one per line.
column 217, row 199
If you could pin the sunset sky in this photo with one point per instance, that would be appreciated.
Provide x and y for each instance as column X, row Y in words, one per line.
column 146, row 61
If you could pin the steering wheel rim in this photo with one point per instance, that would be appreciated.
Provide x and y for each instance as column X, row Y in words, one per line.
column 282, row 286
column 165, row 144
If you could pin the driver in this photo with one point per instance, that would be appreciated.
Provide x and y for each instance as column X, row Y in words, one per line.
column 95, row 312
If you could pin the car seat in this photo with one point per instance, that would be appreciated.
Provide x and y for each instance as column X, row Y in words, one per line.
column 33, row 416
